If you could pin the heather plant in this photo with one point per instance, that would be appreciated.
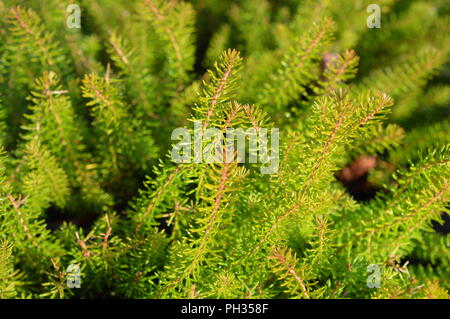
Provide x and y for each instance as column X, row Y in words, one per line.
column 224, row 149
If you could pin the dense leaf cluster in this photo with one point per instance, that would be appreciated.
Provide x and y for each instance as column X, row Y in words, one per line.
column 86, row 176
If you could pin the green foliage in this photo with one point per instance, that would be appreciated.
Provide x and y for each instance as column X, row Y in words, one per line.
column 87, row 131
column 44, row 177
